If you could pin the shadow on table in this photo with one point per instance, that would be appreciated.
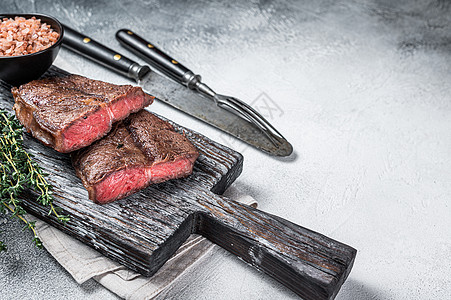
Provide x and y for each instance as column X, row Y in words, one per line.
column 356, row 290
column 290, row 158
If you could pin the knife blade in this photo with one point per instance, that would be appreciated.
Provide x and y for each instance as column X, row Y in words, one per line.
column 174, row 94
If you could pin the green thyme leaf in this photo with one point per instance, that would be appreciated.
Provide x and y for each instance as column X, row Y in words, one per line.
column 17, row 172
column 3, row 247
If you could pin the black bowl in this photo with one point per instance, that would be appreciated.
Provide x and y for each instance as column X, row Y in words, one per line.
column 23, row 68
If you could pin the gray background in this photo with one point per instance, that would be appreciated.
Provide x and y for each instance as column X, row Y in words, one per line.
column 361, row 89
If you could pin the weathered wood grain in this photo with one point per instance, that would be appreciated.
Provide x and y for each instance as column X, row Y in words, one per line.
column 145, row 229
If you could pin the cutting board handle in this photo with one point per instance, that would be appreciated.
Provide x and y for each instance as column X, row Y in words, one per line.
column 311, row 264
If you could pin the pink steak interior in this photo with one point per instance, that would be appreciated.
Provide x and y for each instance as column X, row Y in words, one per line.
column 126, row 181
column 85, row 131
column 168, row 170
column 121, row 183
column 121, row 108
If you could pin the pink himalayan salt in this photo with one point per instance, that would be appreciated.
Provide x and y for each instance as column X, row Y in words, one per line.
column 20, row 36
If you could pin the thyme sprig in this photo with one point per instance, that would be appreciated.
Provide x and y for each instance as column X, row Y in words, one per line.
column 19, row 171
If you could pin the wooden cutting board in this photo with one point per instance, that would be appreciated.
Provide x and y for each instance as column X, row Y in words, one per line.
column 145, row 229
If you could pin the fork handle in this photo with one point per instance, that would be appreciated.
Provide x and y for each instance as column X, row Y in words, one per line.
column 157, row 58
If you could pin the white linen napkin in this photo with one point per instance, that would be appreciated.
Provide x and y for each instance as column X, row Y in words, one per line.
column 84, row 263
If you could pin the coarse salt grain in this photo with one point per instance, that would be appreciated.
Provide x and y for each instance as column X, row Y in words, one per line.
column 20, row 36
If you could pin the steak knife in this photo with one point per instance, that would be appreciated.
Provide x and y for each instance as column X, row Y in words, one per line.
column 182, row 89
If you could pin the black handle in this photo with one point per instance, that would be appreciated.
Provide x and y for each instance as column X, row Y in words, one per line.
column 157, row 58
column 88, row 47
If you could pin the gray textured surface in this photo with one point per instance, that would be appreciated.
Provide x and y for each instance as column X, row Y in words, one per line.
column 362, row 91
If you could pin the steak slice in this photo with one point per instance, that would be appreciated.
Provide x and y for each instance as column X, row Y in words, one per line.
column 139, row 151
column 69, row 113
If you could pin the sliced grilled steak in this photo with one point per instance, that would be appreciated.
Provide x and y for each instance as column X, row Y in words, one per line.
column 68, row 113
column 139, row 151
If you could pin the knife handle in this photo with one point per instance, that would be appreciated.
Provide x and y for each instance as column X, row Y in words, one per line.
column 157, row 58
column 99, row 53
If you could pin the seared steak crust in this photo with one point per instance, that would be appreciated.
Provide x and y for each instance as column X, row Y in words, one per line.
column 68, row 113
column 139, row 151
